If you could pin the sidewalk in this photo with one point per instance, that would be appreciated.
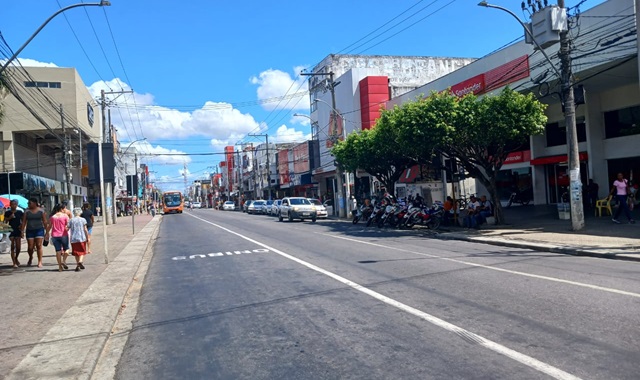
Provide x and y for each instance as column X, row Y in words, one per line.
column 538, row 228
column 35, row 299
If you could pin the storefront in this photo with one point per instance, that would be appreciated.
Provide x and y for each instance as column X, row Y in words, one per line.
column 556, row 171
column 47, row 191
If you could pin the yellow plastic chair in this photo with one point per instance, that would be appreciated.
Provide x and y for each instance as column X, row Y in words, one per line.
column 604, row 204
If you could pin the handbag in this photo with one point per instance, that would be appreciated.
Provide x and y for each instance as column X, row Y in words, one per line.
column 45, row 242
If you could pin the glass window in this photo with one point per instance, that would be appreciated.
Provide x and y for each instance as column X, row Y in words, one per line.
column 622, row 122
column 29, row 84
column 55, row 85
column 42, row 84
column 556, row 134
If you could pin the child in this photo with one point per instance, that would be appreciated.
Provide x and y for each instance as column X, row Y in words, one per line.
column 79, row 237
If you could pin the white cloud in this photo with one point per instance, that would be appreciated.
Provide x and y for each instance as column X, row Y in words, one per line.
column 278, row 84
column 28, row 62
column 135, row 115
column 286, row 135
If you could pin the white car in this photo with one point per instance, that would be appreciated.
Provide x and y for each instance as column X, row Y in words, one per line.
column 297, row 208
column 229, row 206
column 196, row 205
column 321, row 211
column 275, row 207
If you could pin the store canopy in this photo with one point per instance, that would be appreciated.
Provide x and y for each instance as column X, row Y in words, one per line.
column 562, row 158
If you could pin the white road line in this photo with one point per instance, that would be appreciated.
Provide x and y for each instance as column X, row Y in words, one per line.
column 540, row 277
column 529, row 361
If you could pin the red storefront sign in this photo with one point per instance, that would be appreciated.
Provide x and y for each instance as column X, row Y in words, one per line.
column 473, row 85
column 517, row 157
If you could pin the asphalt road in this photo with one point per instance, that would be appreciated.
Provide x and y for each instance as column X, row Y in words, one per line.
column 236, row 296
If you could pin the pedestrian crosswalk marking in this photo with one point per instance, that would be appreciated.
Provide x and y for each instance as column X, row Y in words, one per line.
column 218, row 254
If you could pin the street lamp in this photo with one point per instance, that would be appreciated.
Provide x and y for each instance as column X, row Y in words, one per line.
column 135, row 167
column 102, row 3
column 569, row 109
column 345, row 191
column 314, row 125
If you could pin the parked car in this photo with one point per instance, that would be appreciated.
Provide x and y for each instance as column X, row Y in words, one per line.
column 275, row 207
column 320, row 209
column 195, row 205
column 255, row 207
column 229, row 206
column 297, row 208
column 267, row 207
column 246, row 205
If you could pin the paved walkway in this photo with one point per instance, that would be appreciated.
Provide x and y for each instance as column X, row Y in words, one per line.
column 34, row 299
column 538, row 228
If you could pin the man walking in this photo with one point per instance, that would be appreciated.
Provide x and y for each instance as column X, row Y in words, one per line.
column 622, row 190
column 13, row 216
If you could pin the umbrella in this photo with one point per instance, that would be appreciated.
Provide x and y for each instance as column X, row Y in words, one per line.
column 22, row 201
column 4, row 201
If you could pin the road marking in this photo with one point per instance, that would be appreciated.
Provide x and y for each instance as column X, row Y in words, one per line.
column 218, row 254
column 540, row 277
column 529, row 361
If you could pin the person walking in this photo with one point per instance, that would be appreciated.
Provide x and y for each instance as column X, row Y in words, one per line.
column 80, row 238
column 621, row 190
column 59, row 223
column 87, row 214
column 13, row 216
column 35, row 227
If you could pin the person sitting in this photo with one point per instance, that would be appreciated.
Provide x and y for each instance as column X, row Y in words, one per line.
column 473, row 208
column 485, row 210
column 448, row 211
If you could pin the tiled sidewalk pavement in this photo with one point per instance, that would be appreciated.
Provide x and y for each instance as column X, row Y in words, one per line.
column 33, row 299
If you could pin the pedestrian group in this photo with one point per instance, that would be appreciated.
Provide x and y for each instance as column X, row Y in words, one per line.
column 70, row 233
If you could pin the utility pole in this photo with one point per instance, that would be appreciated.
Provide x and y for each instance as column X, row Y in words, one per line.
column 340, row 200
column 134, row 192
column 67, row 161
column 266, row 136
column 575, row 183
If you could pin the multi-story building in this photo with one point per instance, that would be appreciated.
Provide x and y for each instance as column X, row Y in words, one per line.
column 58, row 107
column 362, row 85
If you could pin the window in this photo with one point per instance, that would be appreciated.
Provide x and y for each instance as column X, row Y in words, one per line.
column 557, row 134
column 43, row 84
column 622, row 122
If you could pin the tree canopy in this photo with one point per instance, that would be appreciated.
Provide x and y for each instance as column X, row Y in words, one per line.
column 478, row 132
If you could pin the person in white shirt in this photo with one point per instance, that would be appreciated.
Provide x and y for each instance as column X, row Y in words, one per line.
column 621, row 190
column 473, row 208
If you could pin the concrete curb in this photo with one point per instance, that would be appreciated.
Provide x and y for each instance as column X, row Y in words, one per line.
column 541, row 247
column 71, row 348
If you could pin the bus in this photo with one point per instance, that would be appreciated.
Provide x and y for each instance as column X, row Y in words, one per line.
column 172, row 201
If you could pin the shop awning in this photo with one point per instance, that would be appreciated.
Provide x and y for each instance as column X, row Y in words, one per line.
column 409, row 175
column 583, row 156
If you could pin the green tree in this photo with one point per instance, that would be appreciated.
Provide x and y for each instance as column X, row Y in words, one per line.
column 486, row 130
column 379, row 151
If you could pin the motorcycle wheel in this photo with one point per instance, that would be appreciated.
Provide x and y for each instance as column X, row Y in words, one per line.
column 434, row 223
column 525, row 202
column 381, row 222
column 410, row 222
column 369, row 222
column 355, row 220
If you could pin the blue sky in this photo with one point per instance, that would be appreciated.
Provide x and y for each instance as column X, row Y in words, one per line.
column 201, row 69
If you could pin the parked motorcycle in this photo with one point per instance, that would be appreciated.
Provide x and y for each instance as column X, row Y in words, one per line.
column 362, row 213
column 429, row 217
column 520, row 196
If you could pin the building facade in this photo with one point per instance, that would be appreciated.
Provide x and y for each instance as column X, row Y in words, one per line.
column 34, row 160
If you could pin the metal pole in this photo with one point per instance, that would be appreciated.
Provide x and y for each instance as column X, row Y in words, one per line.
column 134, row 190
column 103, row 199
column 111, row 212
column 268, row 166
column 15, row 55
column 67, row 161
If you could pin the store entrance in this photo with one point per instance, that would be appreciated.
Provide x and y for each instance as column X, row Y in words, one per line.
column 558, row 181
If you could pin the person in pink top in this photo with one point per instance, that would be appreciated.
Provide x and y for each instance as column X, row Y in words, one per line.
column 621, row 190
column 59, row 222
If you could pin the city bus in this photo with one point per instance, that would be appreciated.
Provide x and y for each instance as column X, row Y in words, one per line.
column 172, row 201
